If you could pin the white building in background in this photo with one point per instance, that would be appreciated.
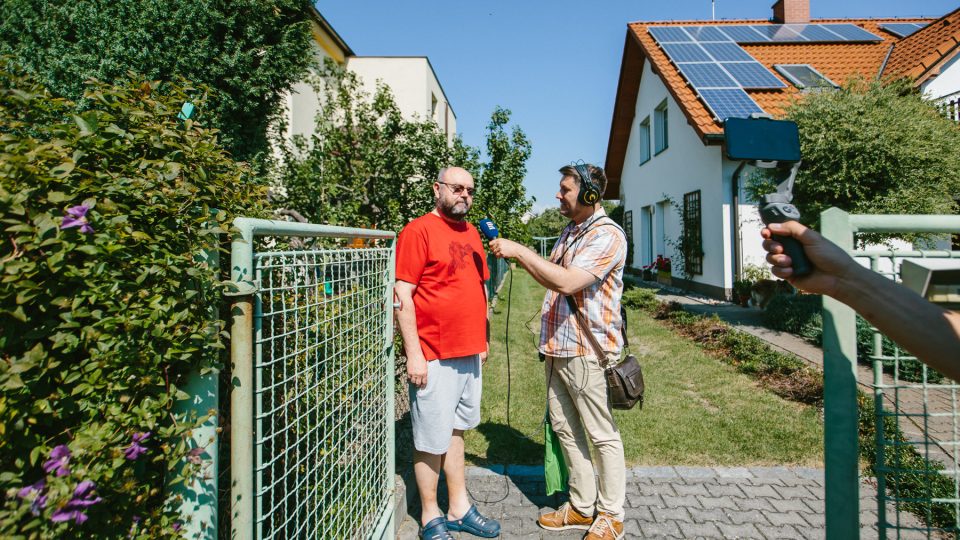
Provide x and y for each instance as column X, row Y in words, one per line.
column 412, row 80
column 414, row 84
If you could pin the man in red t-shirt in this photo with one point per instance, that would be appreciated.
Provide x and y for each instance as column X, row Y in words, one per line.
column 441, row 270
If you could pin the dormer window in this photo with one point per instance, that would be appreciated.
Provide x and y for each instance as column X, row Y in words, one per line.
column 804, row 77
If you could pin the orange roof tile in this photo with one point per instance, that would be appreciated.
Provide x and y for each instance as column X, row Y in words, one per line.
column 916, row 56
column 837, row 61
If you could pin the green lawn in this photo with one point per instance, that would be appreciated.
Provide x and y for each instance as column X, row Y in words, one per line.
column 697, row 410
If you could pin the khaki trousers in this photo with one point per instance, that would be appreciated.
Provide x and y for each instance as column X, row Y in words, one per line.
column 577, row 401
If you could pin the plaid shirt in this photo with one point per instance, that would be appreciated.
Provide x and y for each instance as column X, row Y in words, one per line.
column 602, row 251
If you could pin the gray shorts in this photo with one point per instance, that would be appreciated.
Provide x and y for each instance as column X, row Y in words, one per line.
column 449, row 401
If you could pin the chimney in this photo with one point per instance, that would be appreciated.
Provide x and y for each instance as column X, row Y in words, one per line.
column 791, row 12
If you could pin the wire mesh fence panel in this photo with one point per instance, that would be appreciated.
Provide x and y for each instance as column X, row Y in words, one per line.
column 917, row 425
column 321, row 451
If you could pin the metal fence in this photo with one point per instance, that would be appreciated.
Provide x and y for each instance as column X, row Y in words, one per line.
column 916, row 412
column 498, row 270
column 312, row 427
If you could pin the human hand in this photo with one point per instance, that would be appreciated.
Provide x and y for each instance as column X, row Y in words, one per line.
column 484, row 355
column 505, row 249
column 831, row 264
column 417, row 370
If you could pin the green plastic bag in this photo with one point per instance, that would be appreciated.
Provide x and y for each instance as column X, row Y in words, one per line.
column 554, row 467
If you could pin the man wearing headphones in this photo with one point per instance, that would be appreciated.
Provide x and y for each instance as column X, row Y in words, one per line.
column 586, row 263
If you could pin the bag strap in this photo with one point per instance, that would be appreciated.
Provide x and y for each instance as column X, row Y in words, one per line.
column 585, row 326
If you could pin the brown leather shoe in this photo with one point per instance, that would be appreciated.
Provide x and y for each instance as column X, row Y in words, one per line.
column 605, row 527
column 565, row 518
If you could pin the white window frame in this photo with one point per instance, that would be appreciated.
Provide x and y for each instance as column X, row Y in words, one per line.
column 661, row 133
column 644, row 139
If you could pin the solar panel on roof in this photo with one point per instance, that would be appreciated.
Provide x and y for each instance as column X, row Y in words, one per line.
column 814, row 32
column 778, row 32
column 804, row 76
column 706, row 76
column 743, row 34
column 686, row 52
column 851, row 32
column 901, row 29
column 752, row 75
column 669, row 34
column 729, row 103
column 727, row 52
column 706, row 33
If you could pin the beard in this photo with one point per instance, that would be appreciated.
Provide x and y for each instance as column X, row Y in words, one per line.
column 456, row 211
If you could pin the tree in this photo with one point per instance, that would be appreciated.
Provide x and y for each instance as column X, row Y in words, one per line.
column 248, row 52
column 364, row 165
column 500, row 187
column 547, row 223
column 874, row 148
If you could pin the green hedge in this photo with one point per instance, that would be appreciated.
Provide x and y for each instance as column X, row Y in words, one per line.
column 104, row 307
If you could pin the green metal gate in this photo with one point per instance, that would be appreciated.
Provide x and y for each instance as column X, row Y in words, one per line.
column 916, row 413
column 312, row 427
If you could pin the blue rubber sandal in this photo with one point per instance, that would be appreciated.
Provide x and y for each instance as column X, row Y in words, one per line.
column 436, row 529
column 475, row 523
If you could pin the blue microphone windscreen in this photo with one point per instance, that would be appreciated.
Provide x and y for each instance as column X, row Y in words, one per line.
column 488, row 229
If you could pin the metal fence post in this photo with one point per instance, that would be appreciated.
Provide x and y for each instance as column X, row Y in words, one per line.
column 241, row 393
column 841, row 474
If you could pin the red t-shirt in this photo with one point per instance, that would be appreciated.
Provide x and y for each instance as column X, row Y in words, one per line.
column 447, row 263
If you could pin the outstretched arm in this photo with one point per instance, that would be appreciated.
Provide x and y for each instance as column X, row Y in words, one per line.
column 926, row 330
column 552, row 276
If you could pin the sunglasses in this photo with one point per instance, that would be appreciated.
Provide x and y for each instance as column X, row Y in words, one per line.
column 457, row 189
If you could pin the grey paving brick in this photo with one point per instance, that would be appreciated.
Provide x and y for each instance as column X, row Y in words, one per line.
column 816, row 520
column 686, row 500
column 639, row 514
column 695, row 472
column 759, row 491
column 700, row 530
column 644, row 501
column 767, row 481
column 762, row 504
column 713, row 515
column 781, row 532
column 511, row 525
column 809, row 473
column 655, row 472
column 691, row 489
column 786, row 518
column 733, row 472
column 795, row 492
column 790, row 505
column 782, row 473
column 745, row 530
column 661, row 515
column 631, row 528
column 747, row 516
column 718, row 502
column 661, row 530
column 725, row 491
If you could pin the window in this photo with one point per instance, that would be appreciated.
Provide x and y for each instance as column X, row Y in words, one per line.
column 692, row 236
column 645, row 140
column 628, row 230
column 660, row 125
column 804, row 77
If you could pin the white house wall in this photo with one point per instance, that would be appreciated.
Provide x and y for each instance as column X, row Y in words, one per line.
column 413, row 84
column 685, row 165
column 947, row 83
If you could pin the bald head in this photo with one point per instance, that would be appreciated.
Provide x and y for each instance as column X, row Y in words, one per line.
column 453, row 192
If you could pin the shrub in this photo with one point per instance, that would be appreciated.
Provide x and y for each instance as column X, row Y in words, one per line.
column 640, row 298
column 797, row 314
column 104, row 303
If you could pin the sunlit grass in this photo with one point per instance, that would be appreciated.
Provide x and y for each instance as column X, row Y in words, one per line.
column 697, row 410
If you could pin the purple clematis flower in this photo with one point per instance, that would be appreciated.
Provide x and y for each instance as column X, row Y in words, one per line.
column 135, row 450
column 59, row 461
column 82, row 498
column 177, row 526
column 193, row 456
column 77, row 217
column 40, row 501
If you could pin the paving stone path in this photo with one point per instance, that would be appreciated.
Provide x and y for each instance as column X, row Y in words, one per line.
column 677, row 502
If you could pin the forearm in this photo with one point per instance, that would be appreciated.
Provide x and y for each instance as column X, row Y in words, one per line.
column 546, row 273
column 926, row 330
column 407, row 321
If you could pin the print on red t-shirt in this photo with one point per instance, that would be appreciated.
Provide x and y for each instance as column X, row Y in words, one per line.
column 447, row 263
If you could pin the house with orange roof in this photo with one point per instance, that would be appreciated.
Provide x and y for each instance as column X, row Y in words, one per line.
column 680, row 80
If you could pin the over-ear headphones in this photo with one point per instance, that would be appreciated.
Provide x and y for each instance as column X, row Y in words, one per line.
column 589, row 192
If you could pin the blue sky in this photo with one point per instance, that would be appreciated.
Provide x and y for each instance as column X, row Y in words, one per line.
column 553, row 64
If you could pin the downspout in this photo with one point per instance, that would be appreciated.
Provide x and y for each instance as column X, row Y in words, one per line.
column 886, row 59
column 737, row 248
